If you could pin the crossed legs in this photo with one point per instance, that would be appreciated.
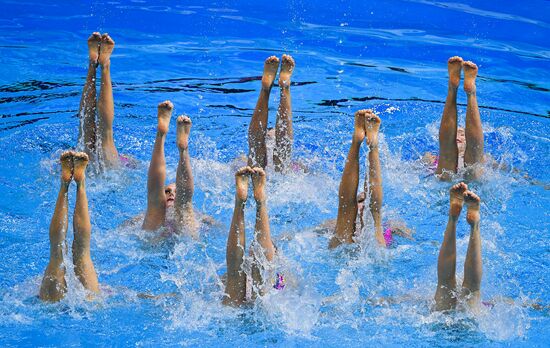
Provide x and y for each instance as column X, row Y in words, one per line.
column 236, row 278
column 54, row 286
column 100, row 48
column 448, row 148
column 445, row 295
column 366, row 126
column 257, row 131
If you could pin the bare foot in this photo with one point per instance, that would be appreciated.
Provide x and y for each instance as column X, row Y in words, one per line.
column 457, row 199
column 241, row 183
column 470, row 74
column 258, row 180
column 107, row 47
column 66, row 160
column 359, row 126
column 164, row 113
column 93, row 47
column 271, row 65
column 80, row 160
column 183, row 130
column 287, row 67
column 372, row 126
column 454, row 65
column 472, row 201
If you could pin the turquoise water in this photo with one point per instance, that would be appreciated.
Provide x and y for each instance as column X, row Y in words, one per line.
column 207, row 60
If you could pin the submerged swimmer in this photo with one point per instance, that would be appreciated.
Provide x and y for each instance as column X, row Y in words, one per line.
column 100, row 48
column 257, row 131
column 54, row 286
column 236, row 284
column 446, row 293
column 459, row 147
column 178, row 197
column 350, row 205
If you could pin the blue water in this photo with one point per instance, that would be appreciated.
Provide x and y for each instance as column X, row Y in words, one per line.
column 207, row 59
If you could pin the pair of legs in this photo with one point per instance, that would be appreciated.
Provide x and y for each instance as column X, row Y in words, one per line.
column 236, row 278
column 257, row 131
column 445, row 296
column 100, row 48
column 54, row 286
column 180, row 195
column 366, row 128
column 451, row 143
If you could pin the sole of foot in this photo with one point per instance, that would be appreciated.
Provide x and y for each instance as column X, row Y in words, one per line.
column 258, row 180
column 372, row 127
column 271, row 65
column 454, row 66
column 241, row 183
column 359, row 126
column 470, row 74
column 80, row 160
column 67, row 166
column 106, row 49
column 183, row 129
column 287, row 67
column 472, row 201
column 164, row 110
column 456, row 194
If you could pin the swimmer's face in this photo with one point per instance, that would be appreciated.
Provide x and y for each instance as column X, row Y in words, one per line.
column 170, row 193
column 460, row 139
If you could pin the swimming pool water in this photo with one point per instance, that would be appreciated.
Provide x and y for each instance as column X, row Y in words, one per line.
column 207, row 59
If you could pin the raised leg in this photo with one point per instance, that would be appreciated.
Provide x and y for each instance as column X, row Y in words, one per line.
column 262, row 232
column 156, row 177
column 474, row 132
column 53, row 286
column 284, row 134
column 347, row 193
column 184, row 178
column 374, row 187
column 83, row 265
column 257, row 151
column 235, row 288
column 106, row 106
column 473, row 269
column 87, row 110
column 446, row 263
column 448, row 149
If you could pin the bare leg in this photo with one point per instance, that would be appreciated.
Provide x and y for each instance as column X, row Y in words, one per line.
column 156, row 177
column 474, row 132
column 106, row 106
column 236, row 278
column 446, row 262
column 473, row 264
column 347, row 193
column 83, row 265
column 448, row 150
column 53, row 286
column 87, row 109
column 375, row 176
column 284, row 134
column 184, row 178
column 257, row 152
column 262, row 233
